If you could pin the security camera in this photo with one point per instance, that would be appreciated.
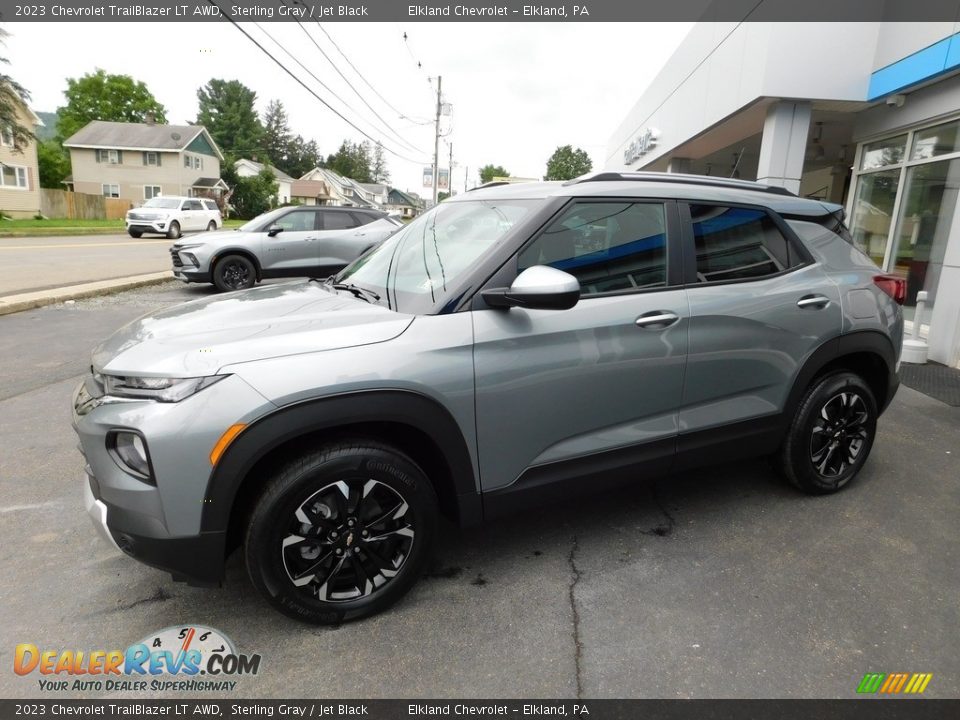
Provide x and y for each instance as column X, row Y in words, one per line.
column 896, row 100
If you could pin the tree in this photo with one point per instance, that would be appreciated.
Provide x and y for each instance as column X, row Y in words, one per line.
column 13, row 98
column 276, row 134
column 567, row 163
column 352, row 160
column 227, row 112
column 250, row 196
column 54, row 163
column 378, row 169
column 302, row 157
column 99, row 96
column 489, row 172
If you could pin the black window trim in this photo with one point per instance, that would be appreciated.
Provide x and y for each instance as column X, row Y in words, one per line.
column 688, row 243
column 507, row 272
column 672, row 225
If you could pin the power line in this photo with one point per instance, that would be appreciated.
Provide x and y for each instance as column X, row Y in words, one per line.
column 350, row 85
column 401, row 115
column 308, row 89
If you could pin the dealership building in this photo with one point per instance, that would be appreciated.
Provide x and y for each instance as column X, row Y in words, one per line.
column 864, row 114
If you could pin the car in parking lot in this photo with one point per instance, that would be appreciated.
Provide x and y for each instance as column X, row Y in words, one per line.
column 172, row 216
column 286, row 242
column 490, row 356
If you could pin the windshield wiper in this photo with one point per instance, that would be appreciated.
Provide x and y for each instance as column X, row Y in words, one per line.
column 358, row 291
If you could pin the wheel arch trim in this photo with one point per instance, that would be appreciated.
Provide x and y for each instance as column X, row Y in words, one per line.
column 861, row 341
column 291, row 422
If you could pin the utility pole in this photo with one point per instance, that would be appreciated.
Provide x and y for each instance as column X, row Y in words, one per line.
column 450, row 173
column 436, row 141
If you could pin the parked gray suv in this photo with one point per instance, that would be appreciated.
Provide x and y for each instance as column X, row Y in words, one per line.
column 286, row 242
column 516, row 344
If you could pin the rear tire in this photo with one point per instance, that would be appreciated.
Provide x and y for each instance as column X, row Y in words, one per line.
column 234, row 272
column 341, row 532
column 211, row 226
column 831, row 435
column 173, row 232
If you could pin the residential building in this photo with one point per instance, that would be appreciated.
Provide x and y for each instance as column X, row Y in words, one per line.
column 309, row 192
column 138, row 161
column 404, row 203
column 878, row 132
column 19, row 169
column 249, row 168
column 346, row 192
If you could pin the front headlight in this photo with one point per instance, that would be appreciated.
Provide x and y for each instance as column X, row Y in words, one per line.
column 153, row 388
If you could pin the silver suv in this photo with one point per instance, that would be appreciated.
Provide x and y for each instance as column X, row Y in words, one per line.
column 517, row 343
column 286, row 242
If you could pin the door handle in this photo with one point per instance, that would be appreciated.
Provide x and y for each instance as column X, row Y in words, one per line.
column 309, row 239
column 657, row 320
column 817, row 302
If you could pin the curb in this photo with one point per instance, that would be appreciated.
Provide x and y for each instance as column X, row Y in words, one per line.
column 27, row 301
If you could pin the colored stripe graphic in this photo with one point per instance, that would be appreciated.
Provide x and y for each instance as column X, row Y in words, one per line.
column 894, row 683
column 871, row 682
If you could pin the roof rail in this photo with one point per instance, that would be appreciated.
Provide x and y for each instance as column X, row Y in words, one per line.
column 495, row 183
column 608, row 176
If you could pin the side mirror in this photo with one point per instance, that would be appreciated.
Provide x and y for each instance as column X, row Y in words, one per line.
column 274, row 230
column 539, row 288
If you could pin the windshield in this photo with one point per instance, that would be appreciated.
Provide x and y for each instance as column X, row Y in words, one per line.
column 165, row 203
column 414, row 269
column 262, row 220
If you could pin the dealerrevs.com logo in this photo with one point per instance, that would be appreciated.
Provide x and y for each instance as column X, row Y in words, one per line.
column 199, row 658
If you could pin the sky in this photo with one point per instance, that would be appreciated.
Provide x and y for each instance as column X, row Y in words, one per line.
column 517, row 90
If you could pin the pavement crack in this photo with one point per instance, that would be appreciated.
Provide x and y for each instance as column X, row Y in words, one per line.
column 663, row 529
column 577, row 643
column 160, row 595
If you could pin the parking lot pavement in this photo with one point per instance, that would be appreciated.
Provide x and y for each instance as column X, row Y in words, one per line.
column 38, row 263
column 719, row 583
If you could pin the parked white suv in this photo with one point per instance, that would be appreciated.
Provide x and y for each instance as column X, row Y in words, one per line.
column 172, row 216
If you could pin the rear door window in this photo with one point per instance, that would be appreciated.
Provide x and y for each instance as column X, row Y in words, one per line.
column 737, row 243
column 338, row 221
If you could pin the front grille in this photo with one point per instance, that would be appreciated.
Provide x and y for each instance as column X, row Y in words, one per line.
column 141, row 216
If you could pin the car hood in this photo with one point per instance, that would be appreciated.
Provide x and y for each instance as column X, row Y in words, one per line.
column 217, row 237
column 200, row 337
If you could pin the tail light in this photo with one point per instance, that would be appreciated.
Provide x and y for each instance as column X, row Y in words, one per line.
column 895, row 287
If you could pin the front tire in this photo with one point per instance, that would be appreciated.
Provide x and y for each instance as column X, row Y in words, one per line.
column 234, row 272
column 173, row 232
column 135, row 233
column 831, row 435
column 342, row 532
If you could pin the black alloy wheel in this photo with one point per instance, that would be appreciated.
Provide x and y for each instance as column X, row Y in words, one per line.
column 348, row 540
column 341, row 532
column 831, row 434
column 234, row 272
column 837, row 441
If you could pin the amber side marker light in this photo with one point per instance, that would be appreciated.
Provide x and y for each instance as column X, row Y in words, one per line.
column 224, row 442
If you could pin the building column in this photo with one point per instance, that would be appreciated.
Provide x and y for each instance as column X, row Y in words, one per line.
column 784, row 144
column 679, row 165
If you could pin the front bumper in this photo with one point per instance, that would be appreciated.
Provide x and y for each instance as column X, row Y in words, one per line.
column 158, row 521
column 186, row 269
column 154, row 226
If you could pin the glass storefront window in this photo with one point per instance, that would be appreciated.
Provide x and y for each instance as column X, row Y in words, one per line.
column 929, row 202
column 889, row 151
column 873, row 212
column 939, row 140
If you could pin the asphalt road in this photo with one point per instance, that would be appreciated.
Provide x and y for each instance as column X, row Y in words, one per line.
column 720, row 583
column 39, row 263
